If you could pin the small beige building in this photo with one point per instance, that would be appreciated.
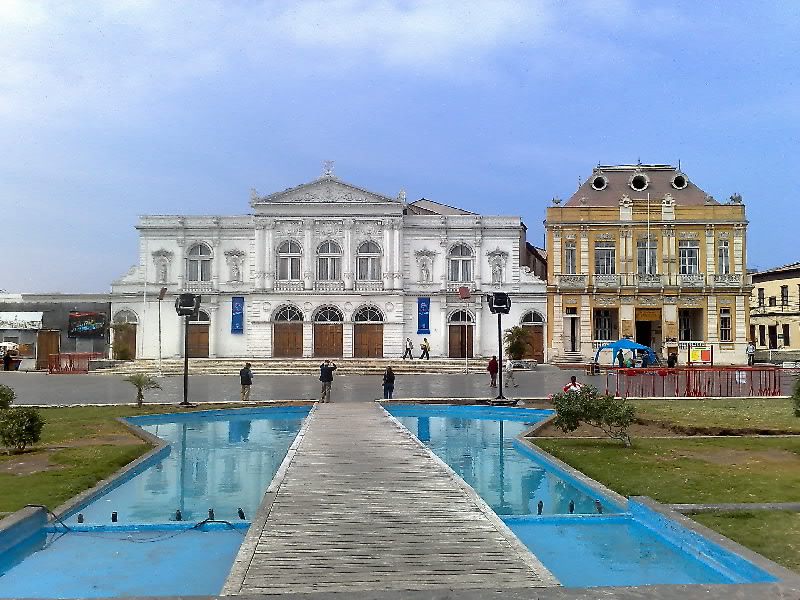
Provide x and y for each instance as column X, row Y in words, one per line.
column 640, row 251
column 775, row 308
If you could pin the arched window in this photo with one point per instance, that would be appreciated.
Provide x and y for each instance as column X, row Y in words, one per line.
column 329, row 262
column 368, row 313
column 202, row 317
column 328, row 314
column 532, row 317
column 368, row 263
column 289, row 261
column 198, row 263
column 126, row 316
column 288, row 313
column 460, row 258
column 461, row 316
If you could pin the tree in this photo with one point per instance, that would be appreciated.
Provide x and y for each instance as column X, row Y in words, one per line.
column 611, row 415
column 796, row 396
column 142, row 382
column 517, row 339
column 7, row 396
column 20, row 427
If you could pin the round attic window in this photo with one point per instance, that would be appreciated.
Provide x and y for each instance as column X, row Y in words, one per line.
column 639, row 182
column 679, row 182
column 599, row 182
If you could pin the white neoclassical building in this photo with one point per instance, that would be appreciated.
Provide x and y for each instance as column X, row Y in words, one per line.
column 328, row 269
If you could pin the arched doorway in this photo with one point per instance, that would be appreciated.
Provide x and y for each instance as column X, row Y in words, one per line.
column 123, row 344
column 534, row 323
column 328, row 332
column 287, row 332
column 198, row 335
column 368, row 333
column 459, row 335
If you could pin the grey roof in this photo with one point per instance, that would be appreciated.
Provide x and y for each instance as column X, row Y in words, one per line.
column 424, row 206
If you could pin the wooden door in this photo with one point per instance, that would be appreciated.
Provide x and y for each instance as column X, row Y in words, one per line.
column 47, row 342
column 198, row 340
column 368, row 340
column 535, row 350
column 327, row 339
column 287, row 340
column 460, row 342
column 124, row 347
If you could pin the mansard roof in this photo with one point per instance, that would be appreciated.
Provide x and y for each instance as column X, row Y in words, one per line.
column 607, row 185
column 325, row 189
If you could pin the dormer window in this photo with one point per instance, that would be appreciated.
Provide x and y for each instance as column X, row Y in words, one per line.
column 639, row 182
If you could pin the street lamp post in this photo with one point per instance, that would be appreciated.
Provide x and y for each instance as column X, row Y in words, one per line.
column 186, row 305
column 499, row 304
column 161, row 295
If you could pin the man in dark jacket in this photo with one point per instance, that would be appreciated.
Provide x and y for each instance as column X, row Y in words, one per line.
column 326, row 370
column 246, row 377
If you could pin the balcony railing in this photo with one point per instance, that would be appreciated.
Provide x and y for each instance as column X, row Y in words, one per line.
column 369, row 286
column 329, row 286
column 692, row 279
column 198, row 286
column 727, row 279
column 649, row 280
column 452, row 286
column 686, row 344
column 606, row 281
column 283, row 285
column 571, row 281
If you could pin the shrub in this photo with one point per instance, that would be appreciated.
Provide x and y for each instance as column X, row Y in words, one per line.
column 142, row 382
column 20, row 427
column 611, row 415
column 516, row 339
column 7, row 396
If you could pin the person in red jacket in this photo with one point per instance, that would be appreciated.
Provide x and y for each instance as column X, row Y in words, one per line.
column 492, row 367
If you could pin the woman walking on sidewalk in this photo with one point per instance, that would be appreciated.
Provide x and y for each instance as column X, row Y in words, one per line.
column 388, row 383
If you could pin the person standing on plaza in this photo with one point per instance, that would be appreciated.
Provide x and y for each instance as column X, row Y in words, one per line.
column 492, row 367
column 388, row 383
column 620, row 358
column 573, row 386
column 246, row 379
column 409, row 348
column 8, row 361
column 750, row 350
column 509, row 371
column 326, row 370
column 426, row 347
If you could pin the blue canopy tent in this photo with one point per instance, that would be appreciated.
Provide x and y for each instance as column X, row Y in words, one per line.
column 624, row 344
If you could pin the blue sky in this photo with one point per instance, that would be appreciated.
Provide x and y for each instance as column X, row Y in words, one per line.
column 112, row 109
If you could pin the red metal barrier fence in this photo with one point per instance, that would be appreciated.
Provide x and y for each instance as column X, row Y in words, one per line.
column 687, row 382
column 71, row 362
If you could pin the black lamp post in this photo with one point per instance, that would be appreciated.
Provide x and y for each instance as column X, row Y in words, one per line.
column 499, row 304
column 186, row 305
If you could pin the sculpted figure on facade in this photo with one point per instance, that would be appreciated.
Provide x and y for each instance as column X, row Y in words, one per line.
column 235, row 259
column 162, row 259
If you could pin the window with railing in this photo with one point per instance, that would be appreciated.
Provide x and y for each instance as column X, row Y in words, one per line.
column 725, row 324
column 688, row 257
column 723, row 258
column 198, row 263
column 603, row 324
column 646, row 257
column 460, row 259
column 570, row 264
column 329, row 262
column 761, row 296
column 784, row 295
column 604, row 258
column 786, row 342
column 772, row 301
column 368, row 262
column 289, row 261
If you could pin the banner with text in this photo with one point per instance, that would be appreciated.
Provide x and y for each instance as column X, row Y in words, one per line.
column 423, row 315
column 237, row 314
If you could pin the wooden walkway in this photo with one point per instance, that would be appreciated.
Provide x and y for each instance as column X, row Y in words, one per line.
column 364, row 506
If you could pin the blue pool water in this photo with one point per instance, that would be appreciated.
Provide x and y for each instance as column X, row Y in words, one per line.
column 478, row 444
column 223, row 460
column 581, row 549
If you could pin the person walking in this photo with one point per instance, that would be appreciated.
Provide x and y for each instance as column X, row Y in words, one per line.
column 388, row 383
column 492, row 367
column 246, row 379
column 326, row 370
column 426, row 347
column 750, row 350
column 8, row 361
column 509, row 371
column 573, row 386
column 620, row 358
column 409, row 348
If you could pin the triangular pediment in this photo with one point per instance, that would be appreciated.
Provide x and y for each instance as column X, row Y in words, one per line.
column 326, row 189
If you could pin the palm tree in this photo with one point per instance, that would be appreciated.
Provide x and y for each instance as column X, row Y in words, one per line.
column 142, row 382
column 516, row 340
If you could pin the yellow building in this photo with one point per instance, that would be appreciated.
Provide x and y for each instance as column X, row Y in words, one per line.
column 775, row 309
column 639, row 251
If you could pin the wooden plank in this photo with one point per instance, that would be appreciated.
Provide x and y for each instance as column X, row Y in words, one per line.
column 362, row 505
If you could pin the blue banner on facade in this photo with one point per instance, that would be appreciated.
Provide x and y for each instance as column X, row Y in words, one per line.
column 237, row 314
column 423, row 315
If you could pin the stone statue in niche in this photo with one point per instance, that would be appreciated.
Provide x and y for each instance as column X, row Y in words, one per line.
column 497, row 272
column 425, row 271
column 162, row 272
column 236, row 274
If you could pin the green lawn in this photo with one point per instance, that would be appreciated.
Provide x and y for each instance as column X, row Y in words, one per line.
column 760, row 413
column 774, row 534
